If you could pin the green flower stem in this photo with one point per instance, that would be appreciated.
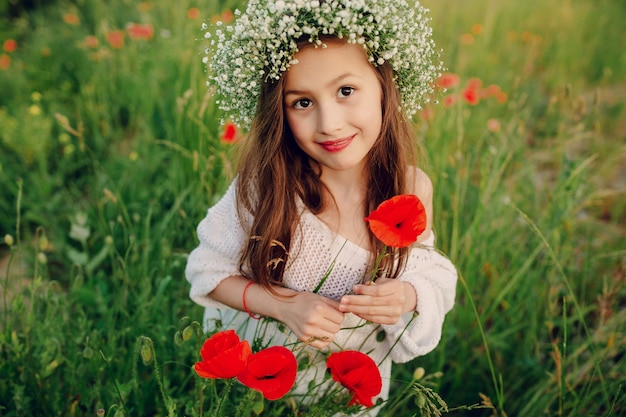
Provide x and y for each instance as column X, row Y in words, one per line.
column 225, row 393
column 377, row 264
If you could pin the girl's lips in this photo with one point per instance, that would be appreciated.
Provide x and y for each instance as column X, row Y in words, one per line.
column 336, row 145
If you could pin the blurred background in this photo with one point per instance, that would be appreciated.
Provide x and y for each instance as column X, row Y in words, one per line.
column 111, row 152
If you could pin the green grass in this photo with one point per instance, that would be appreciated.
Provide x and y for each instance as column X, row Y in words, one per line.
column 110, row 157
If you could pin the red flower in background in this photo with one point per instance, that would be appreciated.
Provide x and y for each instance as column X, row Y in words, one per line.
column 224, row 355
column 91, row 41
column 229, row 135
column 137, row 31
column 358, row 373
column 5, row 61
column 10, row 45
column 115, row 38
column 271, row 371
column 471, row 95
column 449, row 100
column 448, row 80
column 398, row 221
column 71, row 19
column 193, row 13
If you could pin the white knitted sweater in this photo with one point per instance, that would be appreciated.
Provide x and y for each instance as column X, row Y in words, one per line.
column 432, row 275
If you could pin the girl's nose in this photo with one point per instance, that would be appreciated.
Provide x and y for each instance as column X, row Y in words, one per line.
column 330, row 118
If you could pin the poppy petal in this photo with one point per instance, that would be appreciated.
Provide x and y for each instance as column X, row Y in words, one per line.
column 271, row 371
column 224, row 355
column 398, row 221
column 358, row 373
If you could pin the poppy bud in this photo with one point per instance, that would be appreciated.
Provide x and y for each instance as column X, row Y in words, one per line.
column 146, row 353
column 187, row 333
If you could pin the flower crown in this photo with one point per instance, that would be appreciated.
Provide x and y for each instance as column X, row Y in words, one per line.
column 260, row 45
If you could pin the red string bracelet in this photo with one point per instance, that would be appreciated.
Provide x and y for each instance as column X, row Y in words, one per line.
column 243, row 301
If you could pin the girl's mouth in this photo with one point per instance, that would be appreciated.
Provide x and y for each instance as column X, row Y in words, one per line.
column 336, row 145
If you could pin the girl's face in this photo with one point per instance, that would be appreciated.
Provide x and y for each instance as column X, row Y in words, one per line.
column 332, row 100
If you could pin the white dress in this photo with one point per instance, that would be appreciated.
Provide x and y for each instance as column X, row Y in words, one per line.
column 315, row 246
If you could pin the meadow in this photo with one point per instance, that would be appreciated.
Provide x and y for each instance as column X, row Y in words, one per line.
column 111, row 152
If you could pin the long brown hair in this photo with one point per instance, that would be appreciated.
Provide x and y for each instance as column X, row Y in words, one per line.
column 274, row 171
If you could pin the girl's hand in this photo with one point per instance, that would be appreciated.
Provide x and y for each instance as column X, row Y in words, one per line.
column 314, row 319
column 382, row 302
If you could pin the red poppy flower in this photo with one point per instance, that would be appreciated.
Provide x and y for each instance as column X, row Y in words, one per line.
column 115, row 38
column 5, row 61
column 230, row 133
column 448, row 80
column 138, row 31
column 471, row 96
column 193, row 13
column 449, row 100
column 71, row 19
column 10, row 45
column 223, row 356
column 91, row 41
column 271, row 371
column 398, row 221
column 358, row 373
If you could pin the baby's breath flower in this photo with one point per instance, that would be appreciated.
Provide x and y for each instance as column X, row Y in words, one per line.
column 260, row 45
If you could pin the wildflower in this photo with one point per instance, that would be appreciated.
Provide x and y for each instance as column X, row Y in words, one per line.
column 477, row 29
column 493, row 90
column 227, row 16
column 358, row 373
column 471, row 96
column 467, row 39
column 427, row 113
column 398, row 221
column 493, row 125
column 91, row 41
column 230, row 133
column 224, row 355
column 474, row 83
column 449, row 100
column 133, row 156
column 71, row 19
column 10, row 45
column 115, row 38
column 8, row 240
column 5, row 61
column 35, row 96
column 271, row 371
column 193, row 13
column 448, row 80
column 137, row 31
column 502, row 97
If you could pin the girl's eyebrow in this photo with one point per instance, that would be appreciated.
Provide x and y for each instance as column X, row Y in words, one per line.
column 332, row 82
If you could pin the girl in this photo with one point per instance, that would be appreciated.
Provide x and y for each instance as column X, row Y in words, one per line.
column 325, row 88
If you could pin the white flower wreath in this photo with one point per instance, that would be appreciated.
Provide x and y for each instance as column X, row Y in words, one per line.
column 260, row 45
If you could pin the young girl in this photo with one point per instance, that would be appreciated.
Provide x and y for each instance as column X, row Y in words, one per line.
column 326, row 89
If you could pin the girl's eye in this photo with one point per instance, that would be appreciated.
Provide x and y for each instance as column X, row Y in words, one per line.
column 302, row 103
column 345, row 91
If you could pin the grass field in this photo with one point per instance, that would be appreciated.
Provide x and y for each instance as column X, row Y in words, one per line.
column 110, row 154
